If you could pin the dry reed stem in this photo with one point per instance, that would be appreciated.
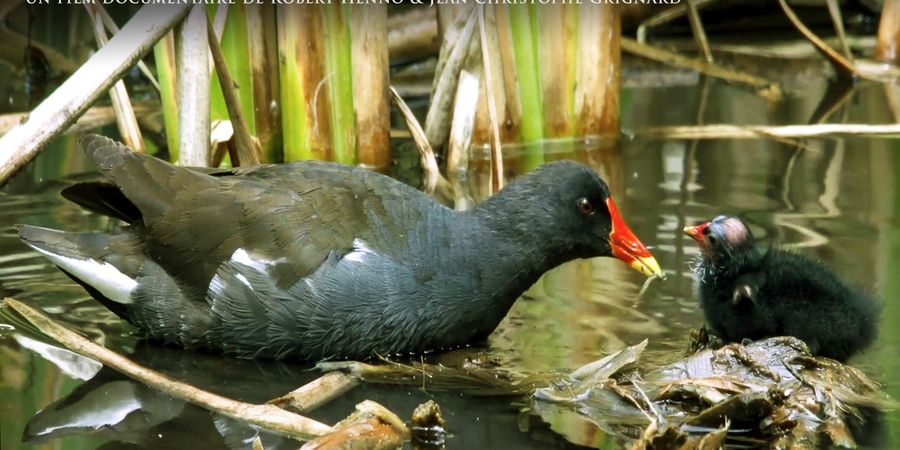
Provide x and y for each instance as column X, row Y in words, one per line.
column 371, row 100
column 111, row 26
column 461, row 132
column 834, row 10
column 841, row 64
column 697, row 30
column 887, row 48
column 664, row 16
column 432, row 174
column 446, row 78
column 496, row 155
column 247, row 151
column 126, row 122
column 193, row 84
column 726, row 131
column 413, row 33
column 766, row 88
column 96, row 117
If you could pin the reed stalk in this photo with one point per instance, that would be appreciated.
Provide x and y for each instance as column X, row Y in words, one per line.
column 125, row 118
column 235, row 49
column 555, row 69
column 369, row 42
column 245, row 149
column 597, row 72
column 262, row 39
column 164, row 56
column 296, row 122
column 339, row 82
column 305, row 97
column 512, row 110
column 887, row 48
column 191, row 46
column 523, row 28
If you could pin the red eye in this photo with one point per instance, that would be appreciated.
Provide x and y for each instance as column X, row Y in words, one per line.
column 585, row 206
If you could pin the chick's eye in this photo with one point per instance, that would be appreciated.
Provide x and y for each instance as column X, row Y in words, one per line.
column 585, row 206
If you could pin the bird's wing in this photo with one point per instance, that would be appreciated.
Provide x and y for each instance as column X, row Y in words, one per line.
column 191, row 222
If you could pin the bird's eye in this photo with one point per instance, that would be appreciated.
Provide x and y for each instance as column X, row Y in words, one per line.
column 705, row 231
column 585, row 207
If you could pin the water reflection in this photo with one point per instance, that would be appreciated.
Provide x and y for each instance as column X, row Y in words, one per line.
column 834, row 199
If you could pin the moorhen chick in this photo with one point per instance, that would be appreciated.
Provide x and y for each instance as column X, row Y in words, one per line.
column 315, row 260
column 752, row 292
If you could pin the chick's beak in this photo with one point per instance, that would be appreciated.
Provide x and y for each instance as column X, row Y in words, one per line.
column 627, row 247
column 696, row 233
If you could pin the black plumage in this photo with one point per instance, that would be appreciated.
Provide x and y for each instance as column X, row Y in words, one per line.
column 315, row 260
column 749, row 291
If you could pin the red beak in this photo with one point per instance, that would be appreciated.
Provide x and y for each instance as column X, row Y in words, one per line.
column 627, row 247
column 696, row 233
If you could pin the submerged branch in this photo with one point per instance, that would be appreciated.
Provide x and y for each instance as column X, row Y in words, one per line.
column 317, row 392
column 767, row 88
column 371, row 426
column 266, row 416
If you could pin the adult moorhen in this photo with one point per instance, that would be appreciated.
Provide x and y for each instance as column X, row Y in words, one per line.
column 315, row 260
column 751, row 292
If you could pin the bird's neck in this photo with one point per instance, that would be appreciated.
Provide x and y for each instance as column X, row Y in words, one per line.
column 525, row 248
column 722, row 267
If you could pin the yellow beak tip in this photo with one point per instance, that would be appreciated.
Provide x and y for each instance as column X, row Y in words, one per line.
column 648, row 266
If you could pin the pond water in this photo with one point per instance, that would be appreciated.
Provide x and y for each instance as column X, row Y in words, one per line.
column 835, row 199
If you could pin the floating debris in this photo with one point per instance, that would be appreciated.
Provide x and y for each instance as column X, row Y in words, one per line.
column 771, row 393
column 428, row 428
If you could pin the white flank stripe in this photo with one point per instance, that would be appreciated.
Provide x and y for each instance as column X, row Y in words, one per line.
column 103, row 277
column 260, row 264
column 360, row 250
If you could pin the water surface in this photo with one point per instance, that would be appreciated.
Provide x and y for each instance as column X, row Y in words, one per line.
column 835, row 199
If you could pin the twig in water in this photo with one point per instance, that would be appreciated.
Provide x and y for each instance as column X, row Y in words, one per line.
column 266, row 416
column 317, row 392
column 650, row 279
column 727, row 131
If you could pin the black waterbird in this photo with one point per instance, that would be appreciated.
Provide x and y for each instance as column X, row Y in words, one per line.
column 315, row 260
column 748, row 291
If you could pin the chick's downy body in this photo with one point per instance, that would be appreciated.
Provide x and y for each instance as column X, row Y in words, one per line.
column 749, row 291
